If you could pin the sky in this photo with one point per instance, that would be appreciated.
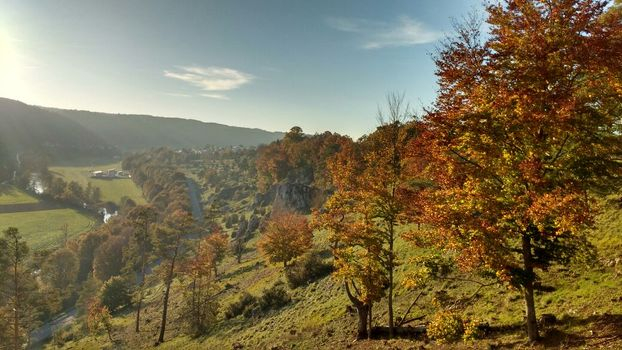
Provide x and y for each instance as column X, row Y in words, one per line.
column 320, row 65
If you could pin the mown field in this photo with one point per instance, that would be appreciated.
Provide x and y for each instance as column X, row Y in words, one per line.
column 12, row 195
column 42, row 229
column 112, row 190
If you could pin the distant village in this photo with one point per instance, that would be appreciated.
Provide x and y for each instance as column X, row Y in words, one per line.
column 110, row 174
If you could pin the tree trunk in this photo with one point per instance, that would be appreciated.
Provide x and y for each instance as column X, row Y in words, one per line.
column 371, row 325
column 143, row 258
column 169, row 281
column 16, row 306
column 363, row 313
column 140, row 292
column 140, row 301
column 391, row 324
column 530, row 308
column 362, row 310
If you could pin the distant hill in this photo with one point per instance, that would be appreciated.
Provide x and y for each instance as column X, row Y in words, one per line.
column 135, row 132
column 67, row 134
column 25, row 129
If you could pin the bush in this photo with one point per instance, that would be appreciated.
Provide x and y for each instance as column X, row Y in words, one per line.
column 62, row 336
column 310, row 267
column 472, row 330
column 445, row 326
column 274, row 298
column 244, row 305
column 115, row 293
column 249, row 306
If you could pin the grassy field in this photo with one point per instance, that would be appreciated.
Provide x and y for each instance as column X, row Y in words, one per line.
column 42, row 229
column 112, row 190
column 12, row 195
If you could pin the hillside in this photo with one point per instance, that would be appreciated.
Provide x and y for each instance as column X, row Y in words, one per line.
column 29, row 129
column 136, row 132
column 63, row 135
column 584, row 298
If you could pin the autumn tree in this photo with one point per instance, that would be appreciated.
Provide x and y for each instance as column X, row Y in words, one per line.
column 526, row 123
column 17, row 290
column 141, row 218
column 285, row 237
column 372, row 186
column 98, row 317
column 86, row 252
column 356, row 249
column 238, row 247
column 108, row 259
column 60, row 270
column 215, row 244
column 200, row 304
column 170, row 246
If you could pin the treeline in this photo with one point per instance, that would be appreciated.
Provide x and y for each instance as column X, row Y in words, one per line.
column 298, row 158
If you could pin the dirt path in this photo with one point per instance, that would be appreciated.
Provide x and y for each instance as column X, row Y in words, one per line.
column 195, row 200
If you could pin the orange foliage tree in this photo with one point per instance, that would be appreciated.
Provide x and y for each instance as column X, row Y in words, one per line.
column 200, row 304
column 216, row 244
column 526, row 123
column 285, row 237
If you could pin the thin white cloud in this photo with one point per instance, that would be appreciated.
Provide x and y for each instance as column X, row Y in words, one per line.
column 210, row 79
column 175, row 94
column 216, row 96
column 377, row 34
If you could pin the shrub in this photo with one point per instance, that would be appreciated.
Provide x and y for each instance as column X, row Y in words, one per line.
column 115, row 293
column 274, row 298
column 310, row 267
column 472, row 330
column 248, row 305
column 445, row 326
column 243, row 306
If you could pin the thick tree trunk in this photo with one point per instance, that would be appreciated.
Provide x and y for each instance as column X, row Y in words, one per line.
column 363, row 313
column 530, row 308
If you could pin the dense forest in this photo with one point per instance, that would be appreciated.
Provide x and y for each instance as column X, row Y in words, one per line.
column 490, row 220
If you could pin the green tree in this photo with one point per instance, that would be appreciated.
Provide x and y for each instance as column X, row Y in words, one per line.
column 18, row 287
column 108, row 259
column 60, row 269
column 115, row 293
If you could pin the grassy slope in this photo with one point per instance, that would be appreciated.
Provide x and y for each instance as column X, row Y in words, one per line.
column 112, row 190
column 42, row 229
column 583, row 299
column 12, row 195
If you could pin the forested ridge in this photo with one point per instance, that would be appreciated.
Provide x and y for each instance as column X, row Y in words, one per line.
column 491, row 220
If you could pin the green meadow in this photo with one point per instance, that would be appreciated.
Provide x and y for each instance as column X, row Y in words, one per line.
column 43, row 229
column 111, row 189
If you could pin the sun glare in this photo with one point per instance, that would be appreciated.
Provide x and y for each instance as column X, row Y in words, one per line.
column 11, row 82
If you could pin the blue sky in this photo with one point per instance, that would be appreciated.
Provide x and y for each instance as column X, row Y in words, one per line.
column 321, row 65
